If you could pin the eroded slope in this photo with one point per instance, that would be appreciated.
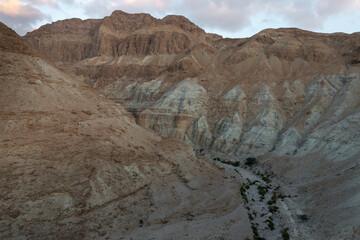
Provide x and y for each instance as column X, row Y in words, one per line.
column 287, row 96
column 75, row 165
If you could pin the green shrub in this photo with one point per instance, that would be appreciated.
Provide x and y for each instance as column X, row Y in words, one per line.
column 250, row 161
column 284, row 233
column 303, row 217
column 262, row 190
column 265, row 178
column 273, row 209
column 270, row 224
column 243, row 194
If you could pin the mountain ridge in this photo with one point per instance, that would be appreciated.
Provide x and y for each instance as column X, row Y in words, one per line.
column 286, row 96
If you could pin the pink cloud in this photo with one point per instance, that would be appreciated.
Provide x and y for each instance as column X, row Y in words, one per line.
column 19, row 15
column 223, row 15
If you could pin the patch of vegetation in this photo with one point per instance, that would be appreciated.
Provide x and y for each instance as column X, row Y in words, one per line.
column 273, row 209
column 265, row 178
column 303, row 217
column 270, row 224
column 284, row 196
column 284, row 233
column 256, row 233
column 250, row 161
column 235, row 164
column 254, row 213
column 273, row 199
column 243, row 194
column 250, row 183
column 262, row 190
column 247, row 186
column 201, row 152
column 141, row 223
column 250, row 217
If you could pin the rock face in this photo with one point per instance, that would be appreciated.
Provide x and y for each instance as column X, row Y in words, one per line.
column 74, row 165
column 287, row 96
column 231, row 95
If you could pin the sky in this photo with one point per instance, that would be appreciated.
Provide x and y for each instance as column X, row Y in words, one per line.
column 229, row 18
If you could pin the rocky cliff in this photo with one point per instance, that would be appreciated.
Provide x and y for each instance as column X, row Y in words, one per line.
column 287, row 96
column 74, row 165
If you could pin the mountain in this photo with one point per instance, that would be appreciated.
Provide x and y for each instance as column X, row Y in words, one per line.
column 286, row 96
column 74, row 165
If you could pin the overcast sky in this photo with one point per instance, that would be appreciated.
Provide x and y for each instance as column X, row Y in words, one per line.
column 229, row 18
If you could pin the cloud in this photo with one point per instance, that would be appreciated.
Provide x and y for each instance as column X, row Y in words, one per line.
column 222, row 15
column 234, row 15
column 231, row 15
column 20, row 16
column 95, row 8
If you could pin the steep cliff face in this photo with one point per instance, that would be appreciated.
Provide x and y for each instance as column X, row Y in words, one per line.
column 247, row 92
column 284, row 94
column 116, row 35
column 74, row 165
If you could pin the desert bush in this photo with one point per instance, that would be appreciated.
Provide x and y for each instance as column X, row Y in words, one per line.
column 243, row 194
column 303, row 217
column 285, row 235
column 262, row 190
column 273, row 209
column 250, row 161
column 270, row 224
column 265, row 178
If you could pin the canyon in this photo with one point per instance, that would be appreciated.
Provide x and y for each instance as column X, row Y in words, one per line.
column 288, row 97
column 75, row 165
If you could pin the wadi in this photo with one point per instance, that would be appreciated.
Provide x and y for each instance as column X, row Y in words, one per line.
column 134, row 127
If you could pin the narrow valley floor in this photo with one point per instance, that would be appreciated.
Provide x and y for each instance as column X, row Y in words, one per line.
column 272, row 206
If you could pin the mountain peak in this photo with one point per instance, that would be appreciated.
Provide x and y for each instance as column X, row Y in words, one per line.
column 11, row 42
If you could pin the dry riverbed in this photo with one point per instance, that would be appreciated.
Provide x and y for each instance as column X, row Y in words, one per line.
column 272, row 207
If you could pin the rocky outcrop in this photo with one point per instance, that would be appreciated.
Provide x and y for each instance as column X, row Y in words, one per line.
column 120, row 34
column 252, row 90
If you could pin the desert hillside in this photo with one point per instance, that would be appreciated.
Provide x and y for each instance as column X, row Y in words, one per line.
column 286, row 96
column 74, row 165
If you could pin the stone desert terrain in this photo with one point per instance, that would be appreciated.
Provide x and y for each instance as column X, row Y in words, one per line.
column 74, row 165
column 77, row 95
